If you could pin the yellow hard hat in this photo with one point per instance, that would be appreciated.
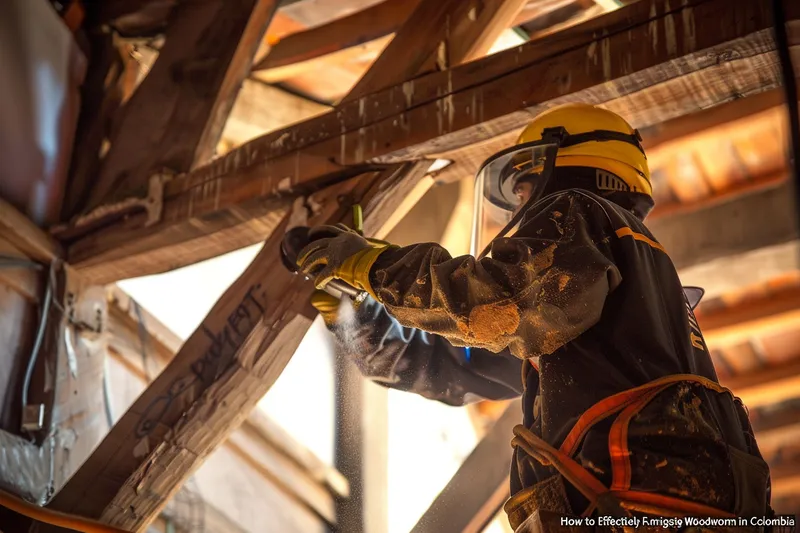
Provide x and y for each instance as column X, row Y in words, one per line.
column 598, row 139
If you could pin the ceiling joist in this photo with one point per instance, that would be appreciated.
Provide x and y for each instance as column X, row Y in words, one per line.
column 168, row 125
column 443, row 111
column 351, row 31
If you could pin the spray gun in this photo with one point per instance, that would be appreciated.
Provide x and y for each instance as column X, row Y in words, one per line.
column 298, row 238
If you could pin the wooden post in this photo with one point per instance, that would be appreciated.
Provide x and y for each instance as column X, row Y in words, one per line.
column 175, row 118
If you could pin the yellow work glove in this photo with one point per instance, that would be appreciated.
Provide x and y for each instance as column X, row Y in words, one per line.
column 327, row 305
column 337, row 252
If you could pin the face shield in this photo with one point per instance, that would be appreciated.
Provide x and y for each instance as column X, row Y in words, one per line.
column 506, row 184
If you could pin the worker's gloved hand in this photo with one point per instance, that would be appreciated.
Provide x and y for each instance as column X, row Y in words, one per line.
column 327, row 305
column 337, row 252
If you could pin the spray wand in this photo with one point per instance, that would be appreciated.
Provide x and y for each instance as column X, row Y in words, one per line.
column 298, row 238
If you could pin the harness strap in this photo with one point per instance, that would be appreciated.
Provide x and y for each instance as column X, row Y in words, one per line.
column 616, row 402
column 628, row 403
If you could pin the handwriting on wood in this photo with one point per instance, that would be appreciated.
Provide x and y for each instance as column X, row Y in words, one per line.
column 219, row 355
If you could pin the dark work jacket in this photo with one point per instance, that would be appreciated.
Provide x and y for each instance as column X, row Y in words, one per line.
column 412, row 360
column 585, row 292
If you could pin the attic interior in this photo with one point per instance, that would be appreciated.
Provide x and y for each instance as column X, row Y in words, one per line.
column 162, row 371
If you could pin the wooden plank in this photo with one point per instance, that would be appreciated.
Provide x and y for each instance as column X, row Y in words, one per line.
column 776, row 430
column 751, row 319
column 706, row 119
column 215, row 380
column 252, row 449
column 363, row 26
column 175, row 118
column 441, row 27
column 768, row 386
column 477, row 491
column 27, row 281
column 721, row 247
column 785, row 481
column 163, row 344
column 478, row 101
column 26, row 236
column 112, row 73
column 341, row 58
column 251, row 117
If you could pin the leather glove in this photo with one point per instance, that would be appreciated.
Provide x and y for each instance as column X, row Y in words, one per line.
column 327, row 305
column 337, row 252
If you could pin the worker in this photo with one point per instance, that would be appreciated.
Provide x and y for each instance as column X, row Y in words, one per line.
column 622, row 412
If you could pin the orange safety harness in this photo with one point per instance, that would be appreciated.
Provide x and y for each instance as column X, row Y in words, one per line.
column 619, row 498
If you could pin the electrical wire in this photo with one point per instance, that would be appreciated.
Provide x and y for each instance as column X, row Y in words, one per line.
column 54, row 518
column 790, row 90
column 37, row 345
column 107, row 393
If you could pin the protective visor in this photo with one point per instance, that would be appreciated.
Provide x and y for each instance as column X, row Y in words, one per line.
column 498, row 207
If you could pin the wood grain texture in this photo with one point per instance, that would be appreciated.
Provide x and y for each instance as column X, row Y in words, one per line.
column 175, row 118
column 455, row 31
column 728, row 228
column 215, row 380
column 352, row 30
column 621, row 60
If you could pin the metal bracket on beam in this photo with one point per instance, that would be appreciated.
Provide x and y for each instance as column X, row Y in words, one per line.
column 153, row 203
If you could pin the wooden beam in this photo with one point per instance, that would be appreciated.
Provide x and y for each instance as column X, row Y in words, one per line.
column 751, row 319
column 111, row 75
column 125, row 319
column 261, row 108
column 360, row 52
column 223, row 369
column 706, row 119
column 785, row 481
column 474, row 102
column 442, row 28
column 475, row 494
column 26, row 236
column 361, row 27
column 175, row 118
column 767, row 386
column 215, row 380
column 731, row 244
column 258, row 109
column 290, row 470
column 776, row 430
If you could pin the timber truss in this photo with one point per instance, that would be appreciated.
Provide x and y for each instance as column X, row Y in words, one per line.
column 159, row 199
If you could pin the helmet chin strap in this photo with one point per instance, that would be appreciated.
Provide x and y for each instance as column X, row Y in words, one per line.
column 543, row 179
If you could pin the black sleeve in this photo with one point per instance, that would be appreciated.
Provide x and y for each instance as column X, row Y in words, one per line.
column 411, row 360
column 541, row 287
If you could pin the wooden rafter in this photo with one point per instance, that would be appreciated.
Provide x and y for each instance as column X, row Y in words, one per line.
column 776, row 430
column 213, row 382
column 448, row 26
column 767, row 386
column 226, row 366
column 706, row 119
column 170, row 123
column 720, row 248
column 364, row 26
column 752, row 319
column 474, row 102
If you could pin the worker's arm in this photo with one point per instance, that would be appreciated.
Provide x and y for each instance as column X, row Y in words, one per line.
column 541, row 288
column 411, row 360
